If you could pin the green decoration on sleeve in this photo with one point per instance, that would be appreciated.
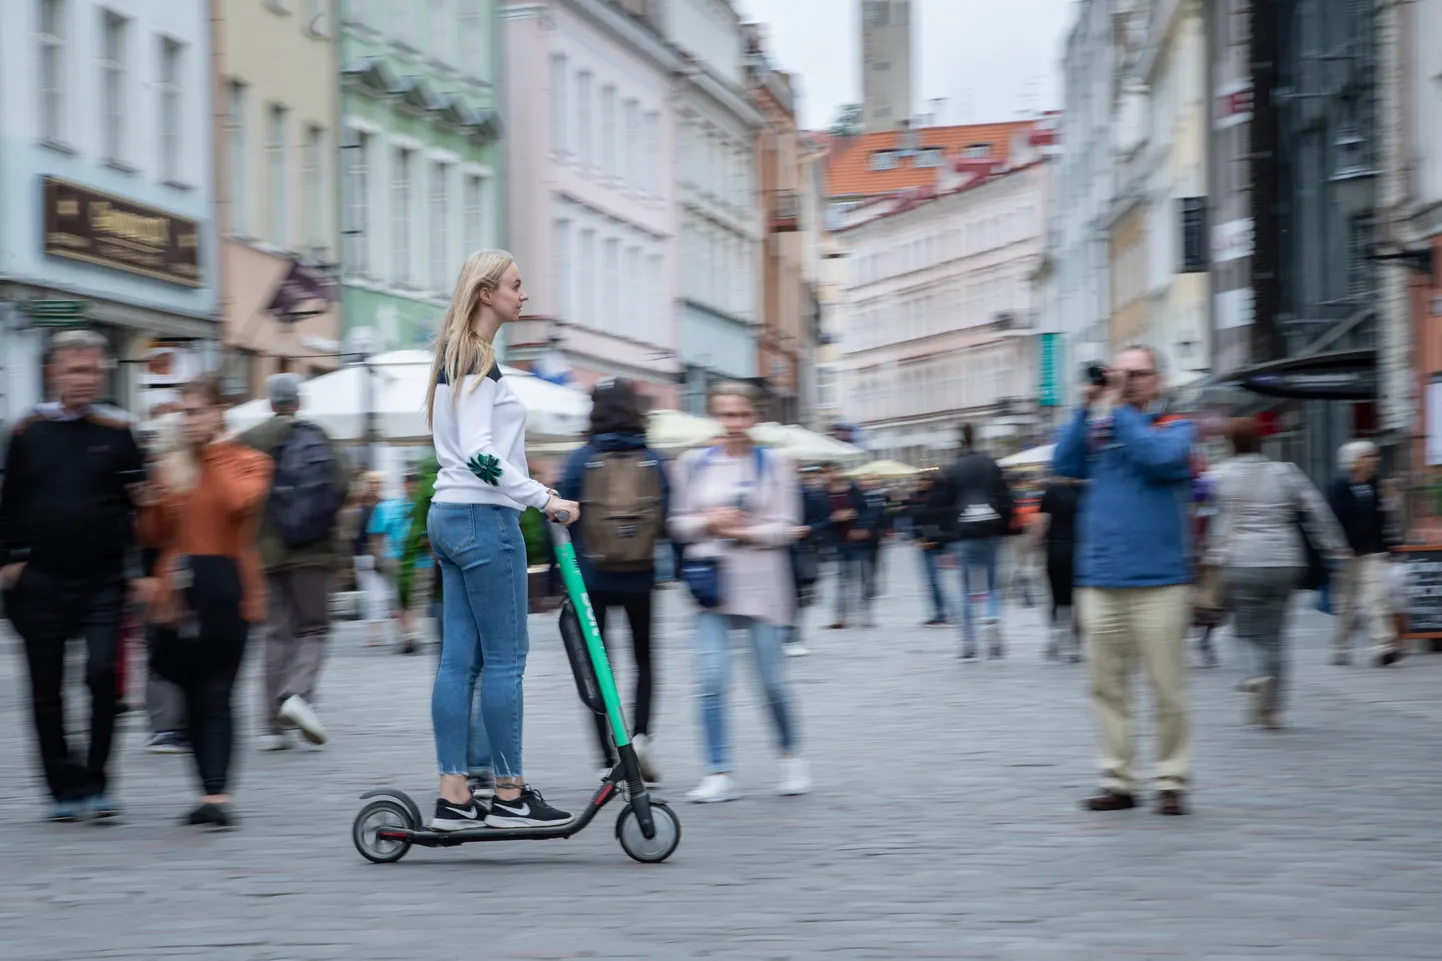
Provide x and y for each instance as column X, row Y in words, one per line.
column 487, row 467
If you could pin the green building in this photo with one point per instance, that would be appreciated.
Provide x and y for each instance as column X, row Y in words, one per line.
column 420, row 162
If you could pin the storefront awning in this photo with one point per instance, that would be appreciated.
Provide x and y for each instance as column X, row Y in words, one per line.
column 1337, row 375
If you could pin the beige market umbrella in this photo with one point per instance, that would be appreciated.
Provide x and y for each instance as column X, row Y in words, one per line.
column 884, row 468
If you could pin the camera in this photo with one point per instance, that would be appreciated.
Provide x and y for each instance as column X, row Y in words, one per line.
column 1096, row 374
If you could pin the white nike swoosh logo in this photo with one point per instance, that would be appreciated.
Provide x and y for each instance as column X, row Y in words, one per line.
column 522, row 811
column 469, row 814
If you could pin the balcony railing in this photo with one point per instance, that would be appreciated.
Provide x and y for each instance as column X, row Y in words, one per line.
column 785, row 206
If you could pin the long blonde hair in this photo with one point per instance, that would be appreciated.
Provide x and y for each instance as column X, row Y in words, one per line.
column 460, row 351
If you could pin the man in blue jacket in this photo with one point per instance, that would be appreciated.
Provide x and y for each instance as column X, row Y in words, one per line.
column 1133, row 566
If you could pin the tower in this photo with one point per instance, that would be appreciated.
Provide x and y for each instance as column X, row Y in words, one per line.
column 885, row 63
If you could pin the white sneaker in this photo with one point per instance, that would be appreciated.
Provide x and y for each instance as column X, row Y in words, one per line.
column 795, row 777
column 296, row 711
column 649, row 773
column 273, row 742
column 713, row 789
column 795, row 649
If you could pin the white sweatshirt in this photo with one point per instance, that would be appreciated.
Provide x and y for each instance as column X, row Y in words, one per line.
column 480, row 444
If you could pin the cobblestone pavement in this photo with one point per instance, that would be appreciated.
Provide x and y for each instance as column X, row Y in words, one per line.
column 944, row 824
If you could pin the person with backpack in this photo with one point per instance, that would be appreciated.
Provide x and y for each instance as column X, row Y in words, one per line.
column 850, row 526
column 621, row 486
column 982, row 506
column 298, row 549
column 736, row 507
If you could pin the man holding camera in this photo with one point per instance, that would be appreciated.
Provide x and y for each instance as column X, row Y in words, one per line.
column 1133, row 566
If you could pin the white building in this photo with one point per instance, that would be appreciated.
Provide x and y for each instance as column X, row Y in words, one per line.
column 938, row 317
column 105, row 187
column 715, row 172
column 1077, row 297
column 885, row 64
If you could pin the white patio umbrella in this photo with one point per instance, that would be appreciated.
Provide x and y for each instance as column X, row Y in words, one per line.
column 1033, row 455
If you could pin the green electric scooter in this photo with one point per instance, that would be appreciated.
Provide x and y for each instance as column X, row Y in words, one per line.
column 390, row 824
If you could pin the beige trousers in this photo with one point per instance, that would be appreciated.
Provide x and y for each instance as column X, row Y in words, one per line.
column 1360, row 592
column 1126, row 625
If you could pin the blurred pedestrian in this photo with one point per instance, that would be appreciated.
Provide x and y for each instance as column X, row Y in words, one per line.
column 932, row 510
column 621, row 486
column 66, row 555
column 1056, row 529
column 298, row 547
column 736, row 507
column 1134, row 566
column 982, row 505
column 1255, row 542
column 806, row 557
column 1360, row 586
column 850, row 527
column 201, row 513
column 370, row 582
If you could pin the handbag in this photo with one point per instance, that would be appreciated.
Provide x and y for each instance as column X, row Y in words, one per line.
column 1316, row 573
column 702, row 576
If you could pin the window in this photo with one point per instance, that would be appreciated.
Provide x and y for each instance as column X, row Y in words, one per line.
column 561, row 268
column 357, row 177
column 585, row 306
column 583, row 119
column 559, row 119
column 237, row 169
column 313, row 233
column 634, row 281
column 883, row 160
column 608, row 131
column 277, row 208
column 977, row 151
column 611, row 285
column 112, row 92
column 652, row 172
column 475, row 224
column 1193, row 215
column 657, row 296
column 930, row 157
column 52, row 69
column 471, row 39
column 401, row 217
column 171, row 54
column 632, row 172
column 441, row 253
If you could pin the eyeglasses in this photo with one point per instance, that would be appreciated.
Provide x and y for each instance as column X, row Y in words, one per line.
column 1139, row 374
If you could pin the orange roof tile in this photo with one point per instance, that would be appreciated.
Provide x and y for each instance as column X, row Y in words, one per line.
column 850, row 173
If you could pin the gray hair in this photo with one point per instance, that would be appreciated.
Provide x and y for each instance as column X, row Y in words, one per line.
column 1354, row 450
column 284, row 391
column 1159, row 361
column 735, row 388
column 68, row 340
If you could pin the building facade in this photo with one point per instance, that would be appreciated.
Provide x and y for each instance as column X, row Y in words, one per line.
column 593, row 216
column 885, row 64
column 938, row 318
column 277, row 199
column 785, row 339
column 721, row 230
column 106, row 192
column 419, row 163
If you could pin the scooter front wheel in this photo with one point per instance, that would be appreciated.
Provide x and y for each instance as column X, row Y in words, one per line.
column 652, row 850
column 374, row 818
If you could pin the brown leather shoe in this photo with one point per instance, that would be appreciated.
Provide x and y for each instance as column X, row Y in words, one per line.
column 1172, row 803
column 1109, row 800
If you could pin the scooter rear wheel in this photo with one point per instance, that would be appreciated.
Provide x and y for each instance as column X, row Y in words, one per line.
column 375, row 817
column 637, row 845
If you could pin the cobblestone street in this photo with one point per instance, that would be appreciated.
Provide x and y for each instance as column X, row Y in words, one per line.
column 944, row 823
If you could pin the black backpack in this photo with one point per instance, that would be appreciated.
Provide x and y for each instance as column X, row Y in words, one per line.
column 304, row 496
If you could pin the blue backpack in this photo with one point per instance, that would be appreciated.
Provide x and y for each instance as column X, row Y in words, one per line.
column 304, row 497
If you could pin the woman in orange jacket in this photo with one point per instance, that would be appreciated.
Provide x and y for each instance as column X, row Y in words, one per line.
column 200, row 513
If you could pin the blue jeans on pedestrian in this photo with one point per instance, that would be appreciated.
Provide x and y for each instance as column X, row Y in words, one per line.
column 478, row 748
column 483, row 572
column 713, row 679
column 976, row 561
column 933, row 583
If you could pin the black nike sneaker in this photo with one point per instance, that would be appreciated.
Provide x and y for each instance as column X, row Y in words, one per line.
column 451, row 816
column 530, row 810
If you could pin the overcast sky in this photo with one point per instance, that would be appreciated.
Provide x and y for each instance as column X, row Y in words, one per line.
column 991, row 59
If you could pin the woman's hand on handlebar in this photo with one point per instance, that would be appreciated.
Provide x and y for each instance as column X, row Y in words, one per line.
column 555, row 507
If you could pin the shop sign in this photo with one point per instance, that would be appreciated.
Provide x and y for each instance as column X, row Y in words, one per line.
column 1232, row 104
column 1232, row 240
column 302, row 284
column 1049, row 371
column 96, row 228
column 54, row 313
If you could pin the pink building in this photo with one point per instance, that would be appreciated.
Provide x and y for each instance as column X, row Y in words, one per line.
column 590, row 191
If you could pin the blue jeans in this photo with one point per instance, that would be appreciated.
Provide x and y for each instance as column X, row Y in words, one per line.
column 483, row 571
column 478, row 748
column 713, row 678
column 933, row 583
column 977, row 559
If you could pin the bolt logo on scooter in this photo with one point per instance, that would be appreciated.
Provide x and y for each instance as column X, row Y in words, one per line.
column 649, row 831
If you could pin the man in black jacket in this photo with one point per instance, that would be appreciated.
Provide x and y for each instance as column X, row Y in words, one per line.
column 982, row 509
column 66, row 540
column 1360, row 585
